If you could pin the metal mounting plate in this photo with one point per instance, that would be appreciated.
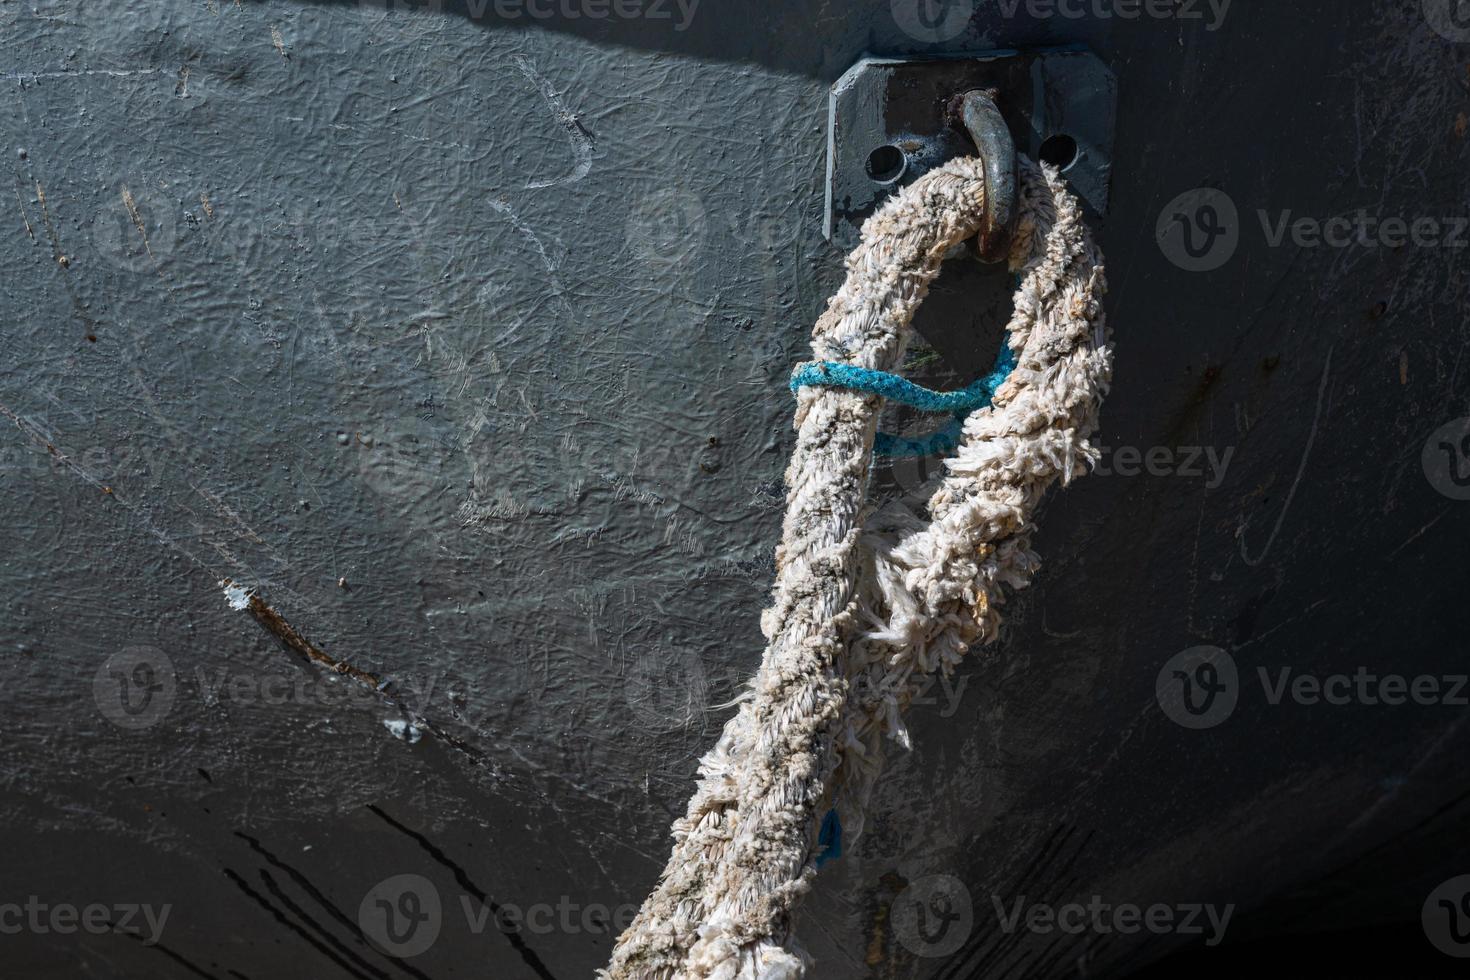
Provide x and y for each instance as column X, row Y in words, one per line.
column 902, row 103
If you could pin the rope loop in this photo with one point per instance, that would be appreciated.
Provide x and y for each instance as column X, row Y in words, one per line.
column 871, row 602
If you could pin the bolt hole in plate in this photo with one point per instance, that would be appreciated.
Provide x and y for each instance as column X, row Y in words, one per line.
column 891, row 120
column 1059, row 103
column 886, row 164
column 1061, row 151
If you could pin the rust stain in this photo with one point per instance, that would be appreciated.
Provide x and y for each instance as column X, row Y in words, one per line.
column 1403, row 367
column 276, row 625
column 878, row 952
column 132, row 206
column 1462, row 125
column 46, row 220
column 65, row 264
column 208, row 208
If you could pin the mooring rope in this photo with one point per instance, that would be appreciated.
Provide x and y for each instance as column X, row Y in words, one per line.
column 859, row 618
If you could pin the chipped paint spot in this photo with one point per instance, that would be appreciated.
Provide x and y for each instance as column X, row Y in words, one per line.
column 237, row 597
column 403, row 730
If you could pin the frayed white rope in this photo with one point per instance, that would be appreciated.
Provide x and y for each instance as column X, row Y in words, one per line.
column 859, row 618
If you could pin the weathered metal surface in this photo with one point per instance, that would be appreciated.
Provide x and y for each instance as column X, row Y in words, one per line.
column 909, row 105
column 461, row 336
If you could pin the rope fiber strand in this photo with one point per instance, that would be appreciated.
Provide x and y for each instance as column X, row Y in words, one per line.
column 896, row 389
column 860, row 617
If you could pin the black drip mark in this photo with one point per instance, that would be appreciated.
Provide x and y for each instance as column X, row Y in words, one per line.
column 1321, row 900
column 321, row 930
column 528, row 955
column 280, row 917
column 193, row 968
column 1039, row 881
column 305, row 884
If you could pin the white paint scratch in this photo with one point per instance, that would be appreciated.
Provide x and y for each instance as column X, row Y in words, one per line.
column 1300, row 470
column 580, row 140
column 32, row 76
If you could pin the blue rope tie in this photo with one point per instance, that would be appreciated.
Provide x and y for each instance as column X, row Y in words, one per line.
column 829, row 839
column 890, row 386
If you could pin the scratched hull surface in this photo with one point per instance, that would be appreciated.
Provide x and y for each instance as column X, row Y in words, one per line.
column 455, row 342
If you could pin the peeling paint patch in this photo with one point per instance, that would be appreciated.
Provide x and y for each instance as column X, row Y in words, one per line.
column 403, row 730
column 237, row 597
